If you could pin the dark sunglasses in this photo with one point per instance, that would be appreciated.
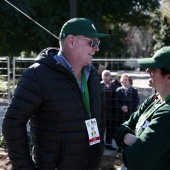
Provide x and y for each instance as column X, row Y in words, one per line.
column 93, row 42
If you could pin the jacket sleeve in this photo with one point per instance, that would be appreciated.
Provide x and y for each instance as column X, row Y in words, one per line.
column 152, row 146
column 129, row 125
column 24, row 103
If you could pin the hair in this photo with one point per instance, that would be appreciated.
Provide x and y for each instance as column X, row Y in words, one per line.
column 61, row 41
column 129, row 77
column 164, row 71
column 105, row 71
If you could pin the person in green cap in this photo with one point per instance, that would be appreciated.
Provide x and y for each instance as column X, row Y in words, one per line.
column 60, row 96
column 145, row 138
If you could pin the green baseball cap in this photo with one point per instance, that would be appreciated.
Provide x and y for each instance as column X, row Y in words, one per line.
column 80, row 26
column 161, row 59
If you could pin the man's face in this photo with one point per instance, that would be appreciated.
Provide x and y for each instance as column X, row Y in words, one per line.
column 85, row 48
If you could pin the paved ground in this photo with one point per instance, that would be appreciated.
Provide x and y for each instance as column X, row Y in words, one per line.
column 4, row 160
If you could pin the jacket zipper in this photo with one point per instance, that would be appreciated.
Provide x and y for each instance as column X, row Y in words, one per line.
column 69, row 74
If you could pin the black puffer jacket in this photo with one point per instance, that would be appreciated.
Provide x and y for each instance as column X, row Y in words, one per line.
column 49, row 95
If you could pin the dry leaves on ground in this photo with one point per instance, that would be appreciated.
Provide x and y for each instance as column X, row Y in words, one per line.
column 4, row 161
column 113, row 162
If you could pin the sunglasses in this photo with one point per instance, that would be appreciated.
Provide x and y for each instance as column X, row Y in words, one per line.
column 93, row 42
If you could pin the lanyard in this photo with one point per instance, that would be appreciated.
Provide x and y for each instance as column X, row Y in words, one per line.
column 86, row 93
column 153, row 109
column 150, row 112
column 168, row 98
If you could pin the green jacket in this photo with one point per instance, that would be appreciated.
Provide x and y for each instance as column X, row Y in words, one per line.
column 151, row 151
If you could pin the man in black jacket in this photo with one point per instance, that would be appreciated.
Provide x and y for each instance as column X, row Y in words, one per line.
column 61, row 96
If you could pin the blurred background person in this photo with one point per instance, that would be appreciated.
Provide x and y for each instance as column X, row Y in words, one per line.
column 109, row 89
column 117, row 80
column 100, row 69
column 126, row 100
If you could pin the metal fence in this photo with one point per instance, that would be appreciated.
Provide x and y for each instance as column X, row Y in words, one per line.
column 19, row 65
column 4, row 79
column 116, row 66
column 9, row 76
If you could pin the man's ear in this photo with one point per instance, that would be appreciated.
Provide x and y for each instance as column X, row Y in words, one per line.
column 70, row 40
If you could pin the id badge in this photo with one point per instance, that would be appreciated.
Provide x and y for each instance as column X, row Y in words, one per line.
column 140, row 122
column 93, row 131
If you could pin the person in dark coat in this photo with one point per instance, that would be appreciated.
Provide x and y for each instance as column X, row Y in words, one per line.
column 117, row 81
column 109, row 89
column 144, row 137
column 126, row 100
column 60, row 94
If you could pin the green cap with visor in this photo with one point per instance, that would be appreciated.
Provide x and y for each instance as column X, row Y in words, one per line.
column 161, row 59
column 80, row 26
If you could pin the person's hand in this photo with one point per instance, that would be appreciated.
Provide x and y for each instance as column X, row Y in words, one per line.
column 129, row 139
column 124, row 109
